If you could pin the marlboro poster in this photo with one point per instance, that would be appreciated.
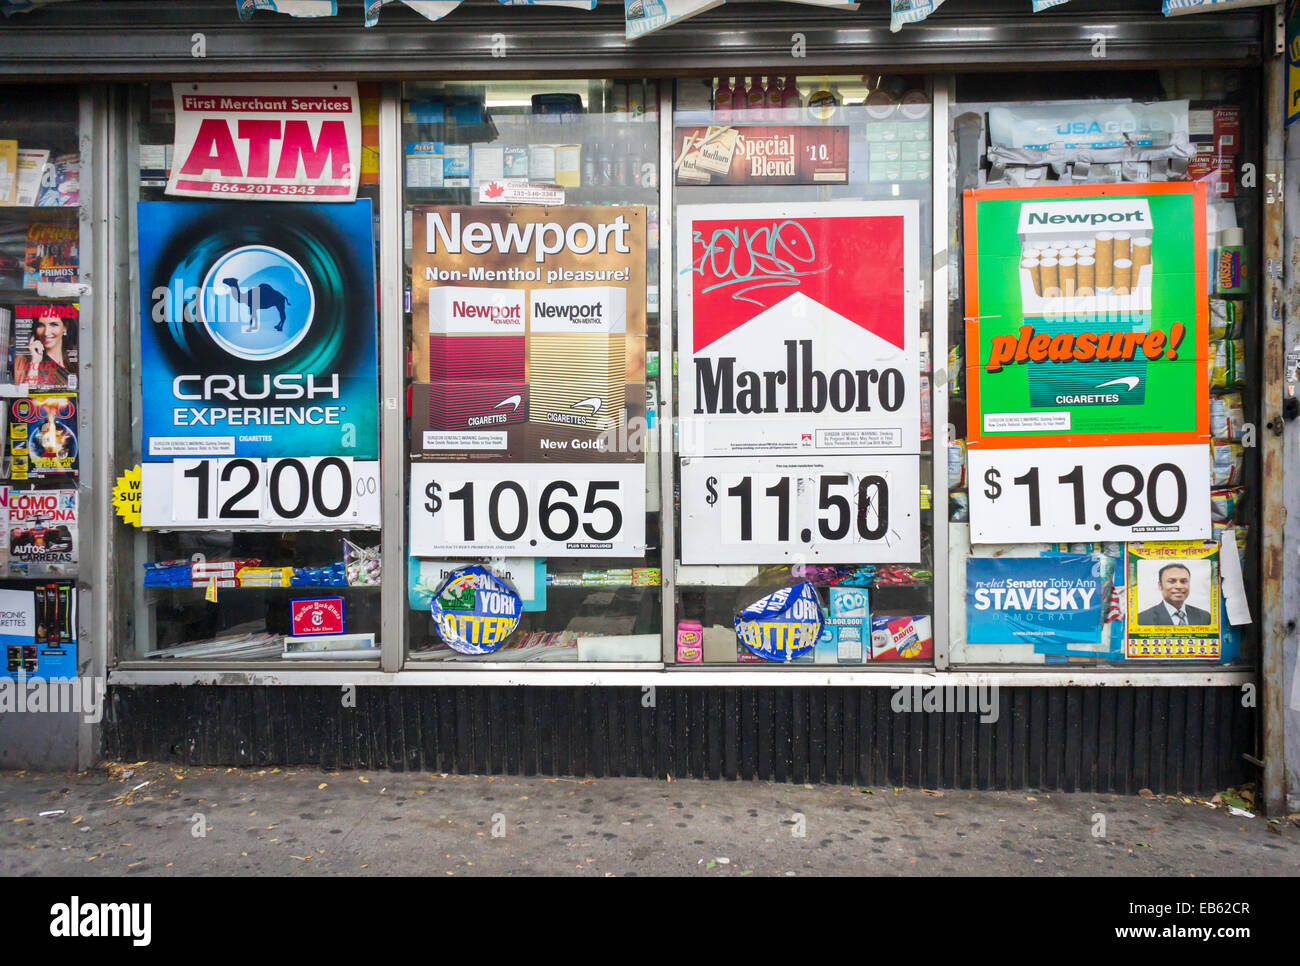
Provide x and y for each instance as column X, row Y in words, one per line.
column 761, row 155
column 800, row 328
column 267, row 142
column 529, row 333
column 1086, row 318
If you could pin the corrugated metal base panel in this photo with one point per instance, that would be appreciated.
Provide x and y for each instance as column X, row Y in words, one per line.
column 1060, row 738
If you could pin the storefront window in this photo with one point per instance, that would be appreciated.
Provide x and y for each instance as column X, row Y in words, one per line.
column 41, row 382
column 802, row 208
column 532, row 319
column 1104, row 481
column 255, row 352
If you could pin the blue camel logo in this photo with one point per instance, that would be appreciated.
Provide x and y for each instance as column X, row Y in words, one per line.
column 262, row 296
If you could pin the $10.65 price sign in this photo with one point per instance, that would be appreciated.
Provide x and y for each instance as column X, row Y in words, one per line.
column 853, row 509
column 1090, row 494
column 528, row 509
column 316, row 492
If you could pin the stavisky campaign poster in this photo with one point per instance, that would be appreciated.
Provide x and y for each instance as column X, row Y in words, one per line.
column 1086, row 322
column 267, row 141
column 258, row 335
column 528, row 333
column 800, row 328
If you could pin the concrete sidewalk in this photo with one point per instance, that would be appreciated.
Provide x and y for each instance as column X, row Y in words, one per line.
column 146, row 819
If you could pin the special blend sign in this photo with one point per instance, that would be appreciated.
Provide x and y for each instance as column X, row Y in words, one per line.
column 267, row 142
column 1087, row 331
column 776, row 154
column 800, row 328
column 259, row 351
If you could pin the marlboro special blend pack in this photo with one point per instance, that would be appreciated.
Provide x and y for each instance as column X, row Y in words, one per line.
column 577, row 356
column 476, row 358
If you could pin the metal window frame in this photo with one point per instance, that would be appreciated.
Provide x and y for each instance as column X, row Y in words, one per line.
column 396, row 668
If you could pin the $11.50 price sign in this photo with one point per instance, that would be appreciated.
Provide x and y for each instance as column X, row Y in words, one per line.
column 1090, row 494
column 853, row 509
column 528, row 509
column 293, row 493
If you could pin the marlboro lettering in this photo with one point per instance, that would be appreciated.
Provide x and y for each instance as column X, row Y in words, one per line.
column 799, row 388
column 1030, row 346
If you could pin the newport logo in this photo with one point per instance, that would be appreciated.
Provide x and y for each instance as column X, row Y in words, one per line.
column 257, row 303
column 84, row 696
column 948, row 698
column 78, row 920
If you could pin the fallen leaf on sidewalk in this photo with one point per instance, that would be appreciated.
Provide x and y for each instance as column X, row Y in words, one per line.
column 1146, row 793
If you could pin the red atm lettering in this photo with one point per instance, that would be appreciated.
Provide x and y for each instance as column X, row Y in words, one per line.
column 214, row 149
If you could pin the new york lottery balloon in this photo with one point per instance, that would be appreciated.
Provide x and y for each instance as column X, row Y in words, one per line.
column 475, row 611
column 782, row 625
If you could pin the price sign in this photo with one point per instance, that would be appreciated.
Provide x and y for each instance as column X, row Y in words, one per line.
column 855, row 509
column 323, row 492
column 1090, row 494
column 528, row 509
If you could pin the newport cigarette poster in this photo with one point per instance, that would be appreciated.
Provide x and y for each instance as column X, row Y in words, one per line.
column 1173, row 601
column 800, row 328
column 1086, row 319
column 529, row 334
column 267, row 142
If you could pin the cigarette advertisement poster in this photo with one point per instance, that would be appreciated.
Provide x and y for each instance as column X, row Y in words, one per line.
column 761, row 155
column 267, row 142
column 41, row 527
column 800, row 328
column 1058, row 600
column 1173, row 602
column 38, row 631
column 1086, row 319
column 529, row 334
column 258, row 332
column 259, row 365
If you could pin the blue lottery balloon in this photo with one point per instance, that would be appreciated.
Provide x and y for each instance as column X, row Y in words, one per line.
column 475, row 611
column 782, row 625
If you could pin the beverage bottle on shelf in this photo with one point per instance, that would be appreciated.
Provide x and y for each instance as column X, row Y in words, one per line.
column 739, row 100
column 722, row 102
column 773, row 99
column 791, row 101
column 754, row 98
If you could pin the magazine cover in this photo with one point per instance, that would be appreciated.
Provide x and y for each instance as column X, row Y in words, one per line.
column 42, row 533
column 51, row 255
column 45, row 346
column 43, row 436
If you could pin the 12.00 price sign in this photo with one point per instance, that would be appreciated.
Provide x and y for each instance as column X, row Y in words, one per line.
column 1090, row 494
column 528, row 509
column 853, row 509
column 316, row 492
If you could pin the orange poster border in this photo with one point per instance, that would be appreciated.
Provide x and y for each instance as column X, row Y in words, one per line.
column 974, row 433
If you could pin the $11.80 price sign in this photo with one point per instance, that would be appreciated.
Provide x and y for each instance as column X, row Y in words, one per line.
column 1090, row 494
column 528, row 509
column 853, row 509
column 320, row 492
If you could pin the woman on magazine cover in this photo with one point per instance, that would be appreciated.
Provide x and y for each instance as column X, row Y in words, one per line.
column 46, row 363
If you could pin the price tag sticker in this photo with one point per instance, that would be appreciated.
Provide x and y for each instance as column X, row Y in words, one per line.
column 853, row 509
column 320, row 492
column 528, row 509
column 1090, row 494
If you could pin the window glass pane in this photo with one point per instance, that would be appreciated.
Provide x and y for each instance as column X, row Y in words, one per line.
column 255, row 361
column 40, row 378
column 1130, row 155
column 532, row 321
column 803, row 209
